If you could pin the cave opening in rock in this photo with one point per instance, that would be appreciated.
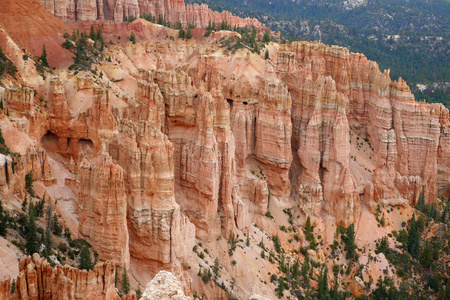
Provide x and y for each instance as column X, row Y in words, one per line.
column 85, row 144
column 245, row 102
column 50, row 142
column 230, row 103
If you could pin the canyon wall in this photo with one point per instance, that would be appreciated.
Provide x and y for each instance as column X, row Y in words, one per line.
column 116, row 10
column 38, row 280
column 178, row 142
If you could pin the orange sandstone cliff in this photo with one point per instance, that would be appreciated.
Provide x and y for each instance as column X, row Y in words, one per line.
column 180, row 143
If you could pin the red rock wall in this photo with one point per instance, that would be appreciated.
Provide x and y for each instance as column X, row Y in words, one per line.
column 117, row 10
column 38, row 280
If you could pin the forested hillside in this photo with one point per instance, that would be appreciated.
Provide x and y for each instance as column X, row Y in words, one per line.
column 411, row 38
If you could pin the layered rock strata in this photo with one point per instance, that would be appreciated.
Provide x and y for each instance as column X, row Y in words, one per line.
column 38, row 280
column 178, row 141
column 116, row 10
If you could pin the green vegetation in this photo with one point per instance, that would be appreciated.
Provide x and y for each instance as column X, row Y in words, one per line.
column 29, row 183
column 308, row 231
column 5, row 220
column 31, row 231
column 86, row 259
column 189, row 33
column 88, row 49
column 6, row 65
column 139, row 292
column 43, row 57
column 133, row 38
column 125, row 281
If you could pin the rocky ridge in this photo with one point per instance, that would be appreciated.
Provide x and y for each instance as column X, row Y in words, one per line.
column 116, row 10
column 179, row 142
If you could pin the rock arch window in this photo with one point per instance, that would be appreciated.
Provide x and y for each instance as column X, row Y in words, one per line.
column 86, row 144
column 50, row 142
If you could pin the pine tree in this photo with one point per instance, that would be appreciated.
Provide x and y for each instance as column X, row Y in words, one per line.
column 13, row 286
column 189, row 33
column 138, row 292
column 125, row 281
column 181, row 33
column 47, row 244
column 216, row 269
column 40, row 207
column 266, row 55
column 56, row 225
column 421, row 202
column 349, row 240
column 4, row 220
column 92, row 34
column 305, row 269
column 266, row 37
column 160, row 19
column 426, row 256
column 100, row 40
column 43, row 57
column 31, row 231
column 308, row 226
column 133, row 38
column 413, row 238
column 25, row 203
column 323, row 284
column 86, row 259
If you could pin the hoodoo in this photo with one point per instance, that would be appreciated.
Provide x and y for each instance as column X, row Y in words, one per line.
column 203, row 166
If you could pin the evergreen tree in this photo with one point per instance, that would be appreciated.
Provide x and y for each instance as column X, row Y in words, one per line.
column 4, row 220
column 266, row 37
column 99, row 35
column 25, row 203
column 189, row 33
column 40, row 207
column 426, row 256
column 266, row 55
column 29, row 183
column 305, row 269
column 421, row 202
column 133, row 38
column 47, row 244
column 349, row 240
column 56, row 225
column 413, row 238
column 100, row 41
column 216, row 269
column 308, row 227
column 138, row 292
column 116, row 277
column 86, row 259
column 43, row 57
column 13, row 286
column 2, row 140
column 181, row 33
column 160, row 19
column 323, row 285
column 31, row 231
column 125, row 281
column 93, row 34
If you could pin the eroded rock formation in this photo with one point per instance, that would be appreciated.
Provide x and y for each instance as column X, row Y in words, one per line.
column 38, row 280
column 179, row 141
column 172, row 10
